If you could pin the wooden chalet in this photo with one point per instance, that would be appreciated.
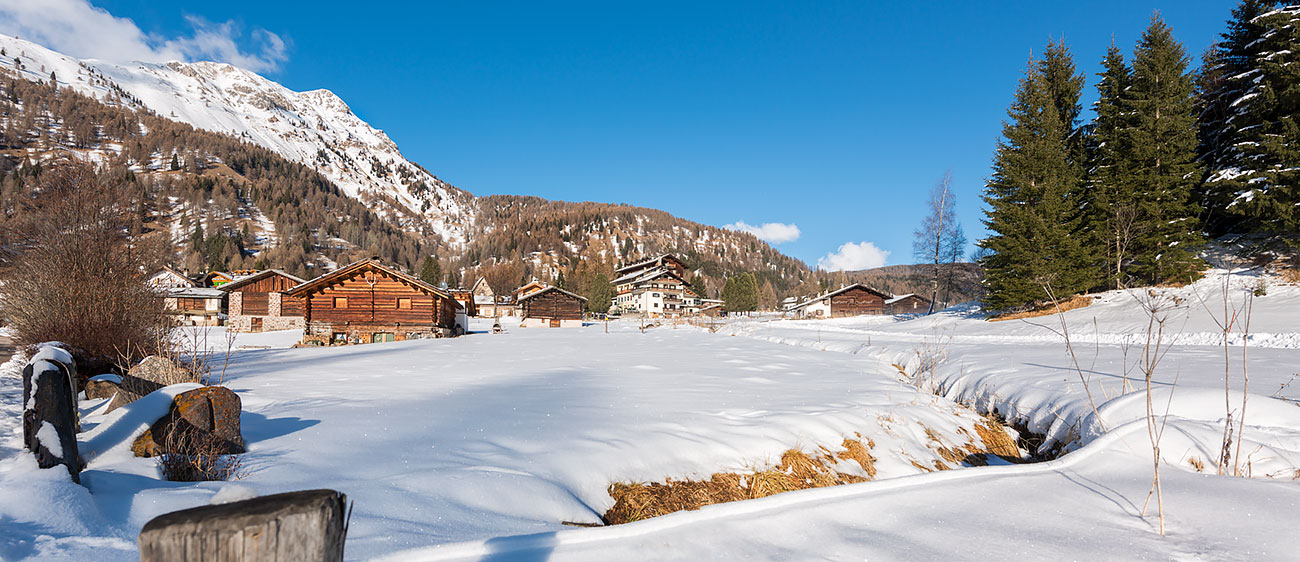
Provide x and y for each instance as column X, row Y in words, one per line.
column 485, row 299
column 368, row 301
column 194, row 306
column 851, row 300
column 908, row 304
column 257, row 303
column 529, row 289
column 551, row 307
column 466, row 299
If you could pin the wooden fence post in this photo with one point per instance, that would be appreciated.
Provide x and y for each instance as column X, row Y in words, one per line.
column 300, row 526
column 50, row 416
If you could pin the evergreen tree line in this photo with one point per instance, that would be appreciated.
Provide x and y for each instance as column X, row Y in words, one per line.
column 1173, row 156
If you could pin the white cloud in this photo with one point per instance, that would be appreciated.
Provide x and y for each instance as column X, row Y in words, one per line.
column 771, row 232
column 78, row 29
column 852, row 257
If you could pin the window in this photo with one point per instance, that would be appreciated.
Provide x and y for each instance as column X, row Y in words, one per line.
column 340, row 302
column 655, row 295
column 404, row 304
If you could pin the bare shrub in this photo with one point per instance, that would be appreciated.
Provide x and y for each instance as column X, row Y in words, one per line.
column 74, row 274
column 191, row 455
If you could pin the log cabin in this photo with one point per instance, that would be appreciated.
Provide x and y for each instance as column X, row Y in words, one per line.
column 257, row 302
column 851, row 300
column 552, row 307
column 908, row 304
column 367, row 301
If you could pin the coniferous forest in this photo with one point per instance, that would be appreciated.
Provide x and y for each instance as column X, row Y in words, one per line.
column 1176, row 155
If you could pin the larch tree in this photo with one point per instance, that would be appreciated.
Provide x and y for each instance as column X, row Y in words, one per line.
column 1162, row 145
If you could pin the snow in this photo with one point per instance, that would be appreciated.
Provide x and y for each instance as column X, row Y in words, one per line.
column 479, row 447
column 297, row 125
column 107, row 377
column 48, row 437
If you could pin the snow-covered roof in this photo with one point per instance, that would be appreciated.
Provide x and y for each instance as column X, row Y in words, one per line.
column 195, row 292
column 840, row 290
column 901, row 297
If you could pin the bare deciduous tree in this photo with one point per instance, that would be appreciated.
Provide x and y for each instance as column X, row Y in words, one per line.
column 936, row 239
column 73, row 272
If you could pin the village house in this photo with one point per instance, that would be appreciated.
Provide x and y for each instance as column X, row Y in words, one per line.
column 551, row 307
column 368, row 301
column 257, row 302
column 194, row 306
column 168, row 278
column 851, row 300
column 214, row 279
column 485, row 299
column 466, row 299
column 908, row 304
column 654, row 287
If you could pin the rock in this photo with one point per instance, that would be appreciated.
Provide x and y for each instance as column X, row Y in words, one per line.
column 202, row 414
column 102, row 386
column 149, row 375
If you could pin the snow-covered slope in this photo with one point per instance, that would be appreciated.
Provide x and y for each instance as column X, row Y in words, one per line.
column 315, row 127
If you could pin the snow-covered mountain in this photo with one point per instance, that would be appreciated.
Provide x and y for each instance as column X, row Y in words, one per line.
column 315, row 128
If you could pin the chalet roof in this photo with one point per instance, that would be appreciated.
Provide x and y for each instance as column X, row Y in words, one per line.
column 259, row 275
column 901, row 297
column 646, row 276
column 482, row 281
column 195, row 292
column 537, row 284
column 841, row 290
column 168, row 269
column 648, row 261
column 549, row 289
column 347, row 270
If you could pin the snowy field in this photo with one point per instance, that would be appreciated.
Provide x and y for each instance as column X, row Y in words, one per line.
column 478, row 448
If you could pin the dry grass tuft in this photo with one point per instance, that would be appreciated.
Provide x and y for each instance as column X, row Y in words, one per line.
column 997, row 441
column 796, row 471
column 1197, row 464
column 1048, row 310
column 1290, row 275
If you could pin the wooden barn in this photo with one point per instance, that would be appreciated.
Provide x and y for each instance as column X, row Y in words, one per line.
column 368, row 301
column 551, row 307
column 257, row 303
column 908, row 304
column 851, row 300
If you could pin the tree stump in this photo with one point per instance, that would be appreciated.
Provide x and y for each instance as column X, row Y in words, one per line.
column 50, row 417
column 292, row 527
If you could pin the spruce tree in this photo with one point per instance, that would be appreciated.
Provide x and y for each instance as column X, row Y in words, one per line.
column 430, row 270
column 1257, row 185
column 1162, row 144
column 1031, row 212
column 1229, row 72
column 1111, row 217
column 601, row 295
column 740, row 294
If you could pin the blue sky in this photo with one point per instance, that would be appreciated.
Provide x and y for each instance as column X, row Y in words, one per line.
column 836, row 117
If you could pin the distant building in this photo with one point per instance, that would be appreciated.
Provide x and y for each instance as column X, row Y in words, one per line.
column 907, row 304
column 485, row 299
column 168, row 278
column 194, row 306
column 851, row 300
column 654, row 287
column 257, row 302
column 551, row 307
column 368, row 301
column 214, row 279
